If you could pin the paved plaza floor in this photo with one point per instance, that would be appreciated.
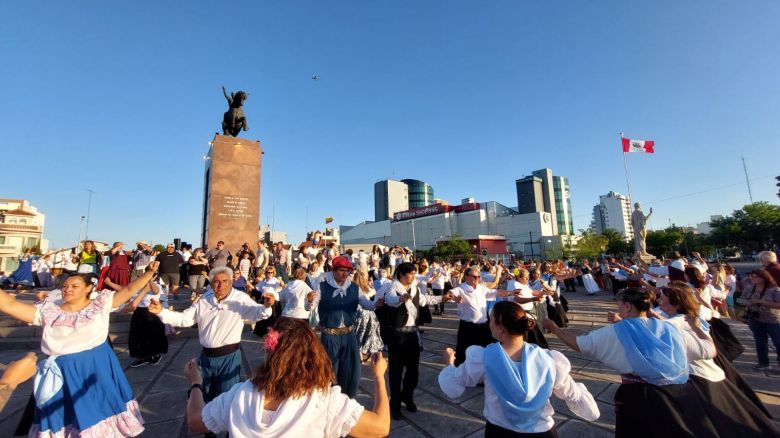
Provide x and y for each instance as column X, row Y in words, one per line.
column 161, row 390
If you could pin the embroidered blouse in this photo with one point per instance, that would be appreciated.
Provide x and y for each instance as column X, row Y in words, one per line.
column 71, row 332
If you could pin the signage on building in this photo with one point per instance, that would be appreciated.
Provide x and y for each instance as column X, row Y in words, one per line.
column 430, row 210
column 422, row 211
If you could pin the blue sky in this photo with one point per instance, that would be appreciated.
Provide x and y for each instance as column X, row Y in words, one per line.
column 122, row 98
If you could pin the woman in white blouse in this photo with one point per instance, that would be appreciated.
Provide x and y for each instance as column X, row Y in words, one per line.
column 80, row 389
column 293, row 296
column 737, row 410
column 656, row 397
column 519, row 379
column 291, row 395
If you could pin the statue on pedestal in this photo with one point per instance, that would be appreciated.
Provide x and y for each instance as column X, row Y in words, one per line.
column 234, row 121
column 639, row 223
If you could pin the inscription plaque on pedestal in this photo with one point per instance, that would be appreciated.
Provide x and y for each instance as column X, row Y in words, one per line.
column 231, row 192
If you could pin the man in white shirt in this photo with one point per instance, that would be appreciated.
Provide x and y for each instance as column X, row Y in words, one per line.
column 220, row 316
column 472, row 298
column 405, row 297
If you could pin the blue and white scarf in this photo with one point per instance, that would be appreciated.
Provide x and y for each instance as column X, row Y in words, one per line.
column 655, row 349
column 523, row 389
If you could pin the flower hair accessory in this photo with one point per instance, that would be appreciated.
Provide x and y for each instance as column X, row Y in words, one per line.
column 271, row 340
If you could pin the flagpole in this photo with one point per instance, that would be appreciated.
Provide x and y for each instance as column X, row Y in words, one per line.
column 625, row 166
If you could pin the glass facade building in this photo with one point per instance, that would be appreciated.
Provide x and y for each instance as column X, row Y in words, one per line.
column 420, row 193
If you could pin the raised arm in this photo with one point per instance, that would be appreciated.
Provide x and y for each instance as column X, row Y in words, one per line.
column 22, row 311
column 229, row 98
column 375, row 423
column 131, row 289
column 569, row 339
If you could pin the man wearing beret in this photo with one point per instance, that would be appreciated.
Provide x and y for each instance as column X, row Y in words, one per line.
column 337, row 303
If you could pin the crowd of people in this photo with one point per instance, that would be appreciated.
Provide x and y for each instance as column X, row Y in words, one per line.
column 322, row 314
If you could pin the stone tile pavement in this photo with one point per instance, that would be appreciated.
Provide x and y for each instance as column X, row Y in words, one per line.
column 161, row 390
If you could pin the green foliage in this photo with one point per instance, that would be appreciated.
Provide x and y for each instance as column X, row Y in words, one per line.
column 453, row 248
column 616, row 243
column 591, row 244
column 661, row 242
column 753, row 227
column 159, row 247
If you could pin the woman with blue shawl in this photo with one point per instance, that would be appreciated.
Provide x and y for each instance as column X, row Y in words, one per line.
column 656, row 397
column 737, row 409
column 519, row 379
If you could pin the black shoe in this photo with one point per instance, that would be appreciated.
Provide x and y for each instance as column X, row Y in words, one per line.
column 139, row 363
column 155, row 359
column 410, row 406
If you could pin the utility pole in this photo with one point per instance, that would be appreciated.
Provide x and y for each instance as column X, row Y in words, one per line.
column 747, row 180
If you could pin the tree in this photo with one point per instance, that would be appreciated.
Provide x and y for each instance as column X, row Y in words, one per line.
column 753, row 227
column 661, row 242
column 616, row 243
column 591, row 244
column 159, row 248
column 454, row 247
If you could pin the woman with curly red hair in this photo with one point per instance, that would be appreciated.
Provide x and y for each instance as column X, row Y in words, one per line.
column 291, row 394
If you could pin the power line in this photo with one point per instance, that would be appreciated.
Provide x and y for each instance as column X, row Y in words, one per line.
column 713, row 189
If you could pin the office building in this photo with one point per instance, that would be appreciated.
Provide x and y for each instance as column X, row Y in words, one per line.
column 613, row 212
column 420, row 193
column 544, row 192
column 390, row 197
column 529, row 195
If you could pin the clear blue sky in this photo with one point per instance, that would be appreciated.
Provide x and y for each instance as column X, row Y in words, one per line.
column 122, row 98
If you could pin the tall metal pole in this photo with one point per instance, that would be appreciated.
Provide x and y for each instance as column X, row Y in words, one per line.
column 531, row 241
column 625, row 166
column 747, row 180
column 89, row 208
column 81, row 229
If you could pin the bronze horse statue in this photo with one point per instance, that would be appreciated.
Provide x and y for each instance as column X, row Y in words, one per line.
column 234, row 121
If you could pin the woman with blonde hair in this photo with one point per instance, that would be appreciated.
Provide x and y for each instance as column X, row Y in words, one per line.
column 291, row 394
column 367, row 324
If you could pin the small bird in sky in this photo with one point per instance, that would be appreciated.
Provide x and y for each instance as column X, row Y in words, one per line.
column 315, row 77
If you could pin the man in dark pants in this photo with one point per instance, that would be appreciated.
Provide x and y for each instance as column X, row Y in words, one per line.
column 472, row 298
column 337, row 305
column 170, row 260
column 405, row 298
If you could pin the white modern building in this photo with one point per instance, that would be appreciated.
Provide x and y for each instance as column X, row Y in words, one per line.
column 21, row 227
column 613, row 212
column 421, row 228
column 706, row 227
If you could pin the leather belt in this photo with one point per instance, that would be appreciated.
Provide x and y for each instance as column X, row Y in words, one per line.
column 336, row 331
column 407, row 329
column 220, row 351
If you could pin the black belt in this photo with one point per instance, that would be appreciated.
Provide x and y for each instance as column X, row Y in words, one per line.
column 220, row 351
column 478, row 324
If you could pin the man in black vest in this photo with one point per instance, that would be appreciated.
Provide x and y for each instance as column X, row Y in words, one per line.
column 405, row 298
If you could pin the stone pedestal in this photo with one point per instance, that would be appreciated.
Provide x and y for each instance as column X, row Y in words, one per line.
column 231, row 192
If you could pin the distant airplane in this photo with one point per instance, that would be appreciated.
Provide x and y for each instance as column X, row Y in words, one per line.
column 316, row 77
